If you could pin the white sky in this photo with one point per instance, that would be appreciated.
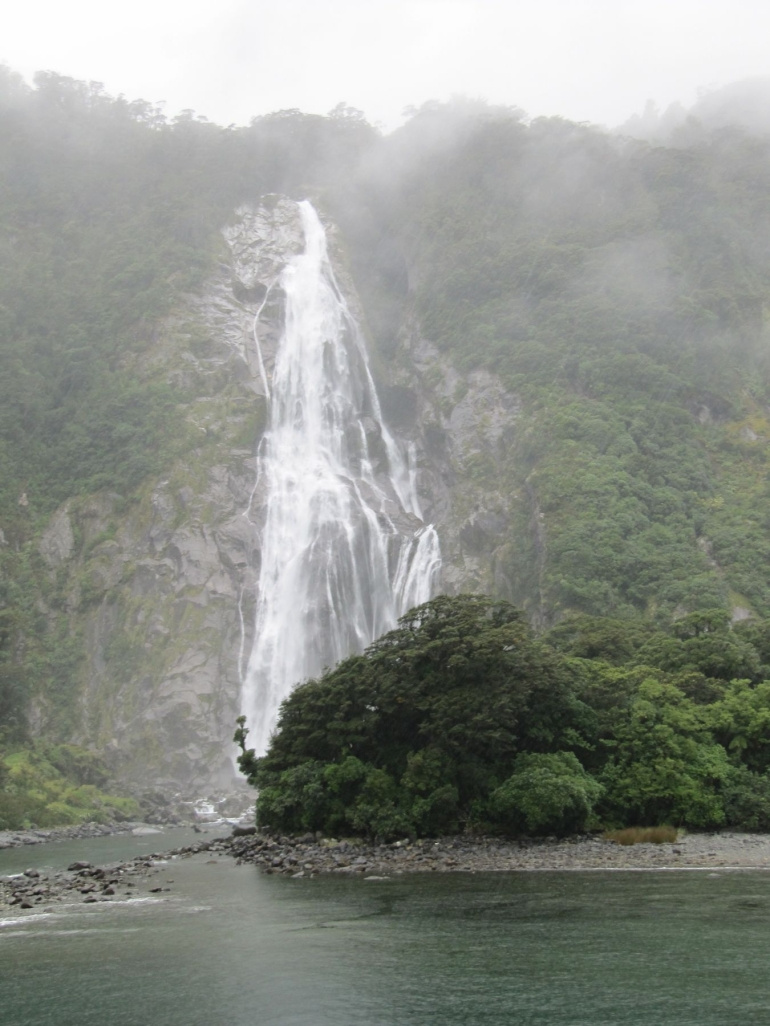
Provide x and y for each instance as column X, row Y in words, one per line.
column 589, row 60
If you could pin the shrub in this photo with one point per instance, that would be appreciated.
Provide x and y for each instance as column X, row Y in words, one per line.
column 547, row 794
column 747, row 800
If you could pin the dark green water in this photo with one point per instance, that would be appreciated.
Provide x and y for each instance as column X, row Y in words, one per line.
column 228, row 946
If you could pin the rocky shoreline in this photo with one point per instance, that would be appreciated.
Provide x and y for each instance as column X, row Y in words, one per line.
column 80, row 882
column 298, row 857
column 87, row 883
column 311, row 857
column 83, row 831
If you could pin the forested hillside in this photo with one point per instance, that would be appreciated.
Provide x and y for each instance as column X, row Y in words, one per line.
column 620, row 290
column 613, row 291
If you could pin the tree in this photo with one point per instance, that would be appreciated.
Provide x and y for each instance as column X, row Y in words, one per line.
column 664, row 766
column 416, row 732
column 548, row 793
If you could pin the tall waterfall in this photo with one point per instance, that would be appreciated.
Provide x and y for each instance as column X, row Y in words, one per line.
column 344, row 550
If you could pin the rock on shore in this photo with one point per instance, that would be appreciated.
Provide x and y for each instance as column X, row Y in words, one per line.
column 309, row 856
column 80, row 882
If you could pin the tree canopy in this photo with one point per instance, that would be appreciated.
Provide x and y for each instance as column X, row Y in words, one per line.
column 461, row 719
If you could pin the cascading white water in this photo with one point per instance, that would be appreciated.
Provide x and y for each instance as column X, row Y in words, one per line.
column 344, row 551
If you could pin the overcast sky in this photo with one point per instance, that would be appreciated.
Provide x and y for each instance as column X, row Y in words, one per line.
column 589, row 60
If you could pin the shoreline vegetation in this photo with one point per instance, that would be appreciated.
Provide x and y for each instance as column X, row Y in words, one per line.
column 299, row 858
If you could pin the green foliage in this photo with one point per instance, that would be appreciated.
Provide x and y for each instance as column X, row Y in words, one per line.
column 747, row 800
column 740, row 720
column 57, row 785
column 665, row 767
column 548, row 793
column 461, row 720
column 418, row 728
column 704, row 643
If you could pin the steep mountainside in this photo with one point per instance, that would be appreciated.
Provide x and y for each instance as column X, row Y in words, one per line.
column 570, row 328
column 617, row 294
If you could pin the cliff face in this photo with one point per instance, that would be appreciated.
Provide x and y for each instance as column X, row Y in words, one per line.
column 161, row 585
column 464, row 426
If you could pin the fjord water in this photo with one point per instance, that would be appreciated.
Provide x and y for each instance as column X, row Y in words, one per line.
column 344, row 550
column 227, row 945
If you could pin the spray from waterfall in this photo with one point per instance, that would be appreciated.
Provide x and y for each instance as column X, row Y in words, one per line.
column 344, row 551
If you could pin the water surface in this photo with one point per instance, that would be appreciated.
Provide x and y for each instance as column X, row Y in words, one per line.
column 102, row 850
column 228, row 945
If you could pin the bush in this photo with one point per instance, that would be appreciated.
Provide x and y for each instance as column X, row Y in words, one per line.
column 664, row 767
column 747, row 800
column 547, row 794
column 33, row 790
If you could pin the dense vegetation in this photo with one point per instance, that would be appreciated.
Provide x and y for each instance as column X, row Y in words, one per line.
column 45, row 785
column 461, row 719
column 620, row 291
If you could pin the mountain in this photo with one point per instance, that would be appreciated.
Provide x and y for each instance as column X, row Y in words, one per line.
column 568, row 328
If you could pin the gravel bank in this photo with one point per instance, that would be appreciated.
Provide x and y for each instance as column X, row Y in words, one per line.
column 87, row 883
column 308, row 857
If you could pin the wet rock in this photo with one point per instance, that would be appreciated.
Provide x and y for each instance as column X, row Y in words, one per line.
column 461, row 854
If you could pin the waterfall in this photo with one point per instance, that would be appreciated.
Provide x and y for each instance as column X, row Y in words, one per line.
column 344, row 551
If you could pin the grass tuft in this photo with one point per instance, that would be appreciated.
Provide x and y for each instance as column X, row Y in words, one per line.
column 642, row 835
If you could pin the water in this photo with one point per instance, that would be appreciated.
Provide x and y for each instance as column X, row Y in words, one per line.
column 54, row 855
column 344, row 549
column 539, row 949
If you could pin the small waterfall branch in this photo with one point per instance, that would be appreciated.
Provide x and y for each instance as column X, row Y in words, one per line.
column 344, row 550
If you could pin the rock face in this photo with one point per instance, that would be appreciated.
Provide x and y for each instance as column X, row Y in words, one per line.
column 464, row 427
column 58, row 541
column 162, row 588
column 161, row 585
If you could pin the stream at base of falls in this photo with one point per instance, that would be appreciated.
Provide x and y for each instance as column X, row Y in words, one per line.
column 228, row 945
